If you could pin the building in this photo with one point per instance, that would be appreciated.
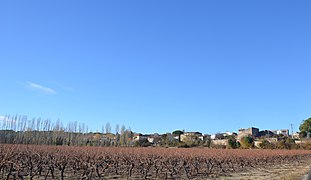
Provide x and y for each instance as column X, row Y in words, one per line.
column 266, row 133
column 191, row 136
column 218, row 136
column 219, row 142
column 140, row 137
column 254, row 132
column 154, row 138
column 230, row 134
column 284, row 132
column 169, row 138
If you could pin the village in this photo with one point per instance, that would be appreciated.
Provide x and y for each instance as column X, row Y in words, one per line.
column 44, row 132
column 246, row 138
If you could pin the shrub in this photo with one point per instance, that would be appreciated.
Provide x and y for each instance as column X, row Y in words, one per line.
column 267, row 145
column 247, row 142
column 286, row 143
column 232, row 143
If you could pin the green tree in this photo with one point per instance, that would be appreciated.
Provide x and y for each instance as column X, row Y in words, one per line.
column 232, row 143
column 247, row 142
column 178, row 133
column 163, row 139
column 305, row 127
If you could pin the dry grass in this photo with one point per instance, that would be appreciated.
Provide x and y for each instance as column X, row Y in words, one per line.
column 292, row 171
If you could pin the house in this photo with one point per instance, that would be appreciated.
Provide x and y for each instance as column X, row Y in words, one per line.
column 169, row 137
column 218, row 136
column 266, row 133
column 205, row 137
column 252, row 131
column 191, row 136
column 227, row 133
column 284, row 132
column 139, row 137
column 105, row 137
column 154, row 138
column 220, row 142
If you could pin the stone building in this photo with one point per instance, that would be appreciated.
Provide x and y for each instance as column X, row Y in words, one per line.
column 253, row 132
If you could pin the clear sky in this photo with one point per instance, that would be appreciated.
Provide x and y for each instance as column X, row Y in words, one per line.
column 158, row 66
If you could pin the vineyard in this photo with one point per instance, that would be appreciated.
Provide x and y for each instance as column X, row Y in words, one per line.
column 52, row 162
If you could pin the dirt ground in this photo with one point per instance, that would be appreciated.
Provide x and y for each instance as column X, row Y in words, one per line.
column 293, row 171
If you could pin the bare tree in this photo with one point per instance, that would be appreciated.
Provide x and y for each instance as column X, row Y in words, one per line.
column 108, row 127
column 122, row 136
column 117, row 129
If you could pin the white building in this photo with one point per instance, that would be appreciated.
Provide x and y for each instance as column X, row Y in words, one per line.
column 284, row 132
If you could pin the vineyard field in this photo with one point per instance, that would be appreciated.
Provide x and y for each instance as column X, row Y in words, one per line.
column 64, row 162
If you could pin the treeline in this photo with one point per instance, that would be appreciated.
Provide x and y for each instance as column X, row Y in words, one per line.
column 21, row 130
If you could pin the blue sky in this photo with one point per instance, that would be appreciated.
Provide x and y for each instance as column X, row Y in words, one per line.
column 157, row 66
